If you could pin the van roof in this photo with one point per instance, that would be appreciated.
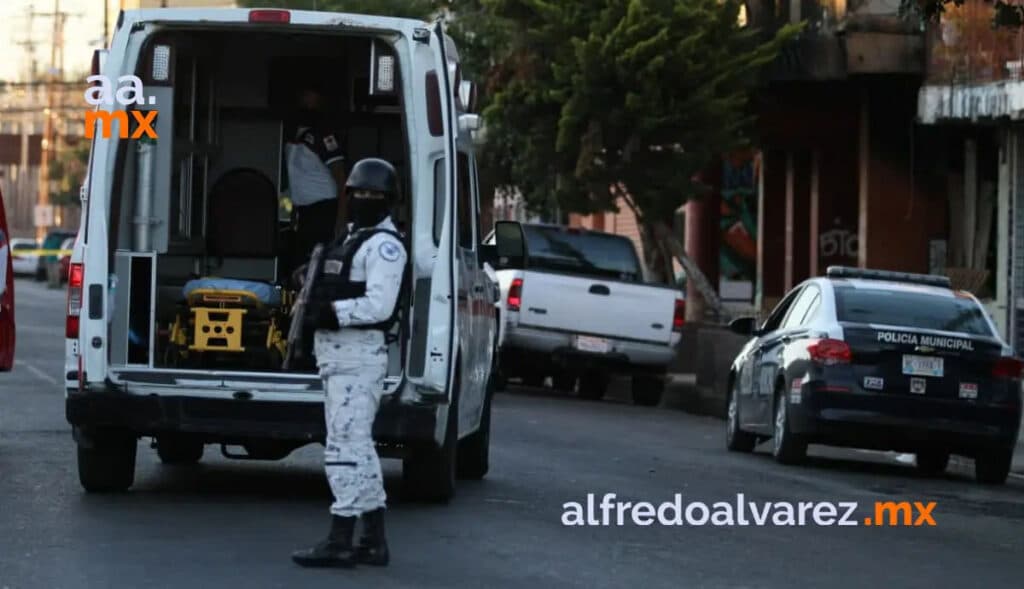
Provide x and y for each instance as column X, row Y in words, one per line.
column 296, row 17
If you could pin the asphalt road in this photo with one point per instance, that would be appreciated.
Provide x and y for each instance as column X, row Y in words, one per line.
column 231, row 524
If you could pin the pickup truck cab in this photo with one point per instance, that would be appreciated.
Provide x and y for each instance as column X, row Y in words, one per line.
column 581, row 311
column 150, row 356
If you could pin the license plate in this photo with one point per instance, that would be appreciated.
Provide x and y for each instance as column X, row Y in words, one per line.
column 597, row 345
column 922, row 366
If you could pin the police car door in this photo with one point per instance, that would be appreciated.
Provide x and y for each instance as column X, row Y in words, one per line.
column 764, row 366
column 434, row 331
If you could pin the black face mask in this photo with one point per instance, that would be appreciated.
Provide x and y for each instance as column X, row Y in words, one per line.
column 367, row 212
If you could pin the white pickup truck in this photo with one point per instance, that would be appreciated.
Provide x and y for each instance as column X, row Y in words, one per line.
column 581, row 311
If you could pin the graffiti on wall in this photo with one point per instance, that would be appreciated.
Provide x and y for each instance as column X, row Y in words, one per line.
column 740, row 173
column 837, row 244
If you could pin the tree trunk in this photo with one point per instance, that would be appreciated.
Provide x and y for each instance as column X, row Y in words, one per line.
column 667, row 239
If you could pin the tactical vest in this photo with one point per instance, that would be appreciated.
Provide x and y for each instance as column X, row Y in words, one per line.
column 334, row 283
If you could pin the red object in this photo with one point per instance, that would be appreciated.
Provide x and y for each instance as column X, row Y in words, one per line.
column 75, row 277
column 281, row 17
column 1007, row 368
column 830, row 351
column 679, row 318
column 515, row 294
column 7, row 322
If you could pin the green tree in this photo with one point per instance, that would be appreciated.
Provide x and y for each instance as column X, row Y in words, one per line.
column 600, row 100
column 68, row 172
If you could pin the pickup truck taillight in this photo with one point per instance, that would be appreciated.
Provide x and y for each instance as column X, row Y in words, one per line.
column 679, row 318
column 515, row 294
column 76, row 273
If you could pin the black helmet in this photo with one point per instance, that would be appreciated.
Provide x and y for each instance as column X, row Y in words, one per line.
column 374, row 174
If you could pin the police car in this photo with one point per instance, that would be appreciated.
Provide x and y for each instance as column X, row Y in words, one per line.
column 879, row 360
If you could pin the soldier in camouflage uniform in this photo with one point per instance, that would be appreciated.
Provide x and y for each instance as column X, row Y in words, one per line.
column 355, row 298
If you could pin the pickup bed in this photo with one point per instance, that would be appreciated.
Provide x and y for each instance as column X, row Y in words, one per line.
column 580, row 312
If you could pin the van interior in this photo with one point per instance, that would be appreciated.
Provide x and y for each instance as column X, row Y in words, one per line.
column 202, row 248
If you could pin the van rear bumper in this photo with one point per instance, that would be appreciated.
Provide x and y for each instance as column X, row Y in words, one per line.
column 232, row 421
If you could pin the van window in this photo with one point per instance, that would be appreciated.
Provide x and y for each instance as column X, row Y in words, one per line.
column 438, row 199
column 465, row 204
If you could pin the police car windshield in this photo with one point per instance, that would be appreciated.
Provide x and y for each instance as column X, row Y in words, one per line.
column 910, row 308
column 584, row 253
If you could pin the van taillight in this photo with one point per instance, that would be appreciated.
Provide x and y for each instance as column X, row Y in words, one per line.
column 76, row 274
column 830, row 351
column 1007, row 368
column 515, row 294
column 679, row 318
column 281, row 17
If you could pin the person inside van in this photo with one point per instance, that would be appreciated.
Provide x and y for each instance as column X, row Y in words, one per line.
column 315, row 165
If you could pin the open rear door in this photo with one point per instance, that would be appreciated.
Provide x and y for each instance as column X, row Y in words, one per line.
column 435, row 330
column 6, row 295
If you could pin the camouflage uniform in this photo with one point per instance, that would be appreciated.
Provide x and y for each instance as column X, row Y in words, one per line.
column 353, row 363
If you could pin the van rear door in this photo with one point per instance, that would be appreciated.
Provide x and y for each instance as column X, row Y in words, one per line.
column 434, row 332
column 6, row 295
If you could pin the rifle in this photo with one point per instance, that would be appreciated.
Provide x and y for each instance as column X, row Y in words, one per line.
column 296, row 340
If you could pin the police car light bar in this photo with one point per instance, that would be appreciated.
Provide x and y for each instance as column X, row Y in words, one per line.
column 907, row 277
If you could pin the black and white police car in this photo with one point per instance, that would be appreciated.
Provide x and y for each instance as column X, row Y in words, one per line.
column 878, row 360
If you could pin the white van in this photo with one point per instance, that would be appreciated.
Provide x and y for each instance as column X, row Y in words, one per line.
column 151, row 356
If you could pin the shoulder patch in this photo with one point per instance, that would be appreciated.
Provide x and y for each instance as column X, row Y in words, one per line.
column 331, row 143
column 390, row 251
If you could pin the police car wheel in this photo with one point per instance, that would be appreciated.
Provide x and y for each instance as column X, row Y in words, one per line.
column 787, row 447
column 932, row 462
column 106, row 462
column 737, row 440
column 993, row 466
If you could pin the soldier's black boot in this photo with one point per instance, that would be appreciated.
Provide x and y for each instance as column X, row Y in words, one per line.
column 335, row 551
column 373, row 545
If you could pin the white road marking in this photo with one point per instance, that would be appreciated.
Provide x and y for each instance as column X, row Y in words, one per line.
column 39, row 373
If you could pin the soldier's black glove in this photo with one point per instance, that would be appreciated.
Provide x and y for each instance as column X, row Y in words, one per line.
column 299, row 276
column 328, row 318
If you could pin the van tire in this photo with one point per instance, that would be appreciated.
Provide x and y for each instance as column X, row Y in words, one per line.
column 175, row 451
column 647, row 390
column 107, row 464
column 473, row 457
column 428, row 473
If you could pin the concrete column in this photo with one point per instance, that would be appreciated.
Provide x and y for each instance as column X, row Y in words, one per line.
column 1000, row 314
column 771, row 243
column 814, row 225
column 863, row 177
column 702, row 240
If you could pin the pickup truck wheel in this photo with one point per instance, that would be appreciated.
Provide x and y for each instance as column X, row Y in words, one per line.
column 107, row 463
column 172, row 450
column 473, row 458
column 647, row 390
column 428, row 473
column 593, row 385
column 993, row 466
column 564, row 381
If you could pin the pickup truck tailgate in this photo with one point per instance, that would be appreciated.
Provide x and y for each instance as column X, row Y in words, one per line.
column 592, row 306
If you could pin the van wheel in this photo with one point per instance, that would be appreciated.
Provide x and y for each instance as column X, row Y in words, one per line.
column 647, row 390
column 564, row 381
column 174, row 450
column 593, row 385
column 107, row 463
column 931, row 463
column 787, row 447
column 473, row 459
column 993, row 466
column 428, row 474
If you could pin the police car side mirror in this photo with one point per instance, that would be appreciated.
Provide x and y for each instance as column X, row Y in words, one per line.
column 510, row 246
column 743, row 326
